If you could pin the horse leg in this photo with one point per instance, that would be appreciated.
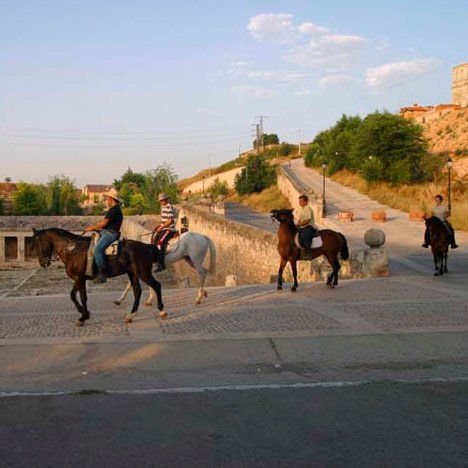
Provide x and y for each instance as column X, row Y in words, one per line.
column 150, row 300
column 436, row 266
column 80, row 285
column 441, row 263
column 336, row 271
column 73, row 293
column 137, row 295
column 124, row 294
column 280, row 274
column 294, row 272
column 331, row 277
column 148, row 278
column 201, row 271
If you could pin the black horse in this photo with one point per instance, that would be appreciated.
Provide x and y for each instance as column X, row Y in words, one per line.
column 135, row 259
column 439, row 240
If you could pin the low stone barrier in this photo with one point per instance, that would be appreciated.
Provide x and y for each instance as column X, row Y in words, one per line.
column 251, row 253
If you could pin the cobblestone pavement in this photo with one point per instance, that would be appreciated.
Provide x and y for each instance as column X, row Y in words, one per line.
column 399, row 304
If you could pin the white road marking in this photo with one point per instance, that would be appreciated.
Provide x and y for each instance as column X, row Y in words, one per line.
column 234, row 387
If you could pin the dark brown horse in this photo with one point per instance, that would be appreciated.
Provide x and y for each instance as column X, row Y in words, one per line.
column 439, row 240
column 334, row 244
column 135, row 260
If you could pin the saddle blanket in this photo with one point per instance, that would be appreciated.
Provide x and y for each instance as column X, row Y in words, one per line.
column 316, row 242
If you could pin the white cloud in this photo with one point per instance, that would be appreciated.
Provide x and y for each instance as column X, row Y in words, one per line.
column 302, row 92
column 275, row 27
column 334, row 80
column 393, row 73
column 286, row 77
column 312, row 29
column 328, row 50
column 256, row 91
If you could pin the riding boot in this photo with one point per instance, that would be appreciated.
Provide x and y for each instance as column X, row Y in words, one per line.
column 426, row 239
column 101, row 276
column 453, row 244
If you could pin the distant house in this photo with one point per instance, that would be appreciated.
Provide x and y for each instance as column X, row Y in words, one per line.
column 93, row 194
column 7, row 190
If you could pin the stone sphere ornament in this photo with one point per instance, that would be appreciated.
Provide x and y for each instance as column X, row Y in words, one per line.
column 374, row 238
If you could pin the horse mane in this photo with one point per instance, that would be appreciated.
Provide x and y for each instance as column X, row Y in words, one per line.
column 434, row 220
column 64, row 233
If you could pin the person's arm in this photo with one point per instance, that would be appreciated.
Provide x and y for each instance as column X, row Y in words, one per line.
column 307, row 221
column 96, row 227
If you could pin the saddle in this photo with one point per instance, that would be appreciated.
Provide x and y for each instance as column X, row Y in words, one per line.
column 307, row 252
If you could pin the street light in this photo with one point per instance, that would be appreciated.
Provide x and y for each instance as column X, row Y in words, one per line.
column 449, row 165
column 324, row 167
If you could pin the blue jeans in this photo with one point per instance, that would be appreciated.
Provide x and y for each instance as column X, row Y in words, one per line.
column 106, row 239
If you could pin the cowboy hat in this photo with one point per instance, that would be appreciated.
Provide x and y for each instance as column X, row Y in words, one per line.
column 112, row 193
column 162, row 196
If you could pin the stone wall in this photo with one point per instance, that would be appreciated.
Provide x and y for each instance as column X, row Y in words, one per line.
column 251, row 253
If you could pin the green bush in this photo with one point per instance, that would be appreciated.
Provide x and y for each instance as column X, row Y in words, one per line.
column 256, row 176
column 29, row 199
column 285, row 149
column 218, row 188
column 372, row 170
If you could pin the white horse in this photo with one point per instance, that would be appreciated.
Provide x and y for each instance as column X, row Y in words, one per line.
column 191, row 247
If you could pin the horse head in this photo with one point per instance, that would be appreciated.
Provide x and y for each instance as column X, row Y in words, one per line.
column 44, row 246
column 283, row 216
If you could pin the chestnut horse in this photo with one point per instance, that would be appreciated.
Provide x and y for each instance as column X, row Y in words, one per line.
column 334, row 244
column 135, row 260
column 439, row 240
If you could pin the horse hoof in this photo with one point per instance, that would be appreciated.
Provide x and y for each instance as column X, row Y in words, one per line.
column 205, row 293
column 117, row 302
column 198, row 302
column 293, row 289
column 79, row 323
column 436, row 273
column 148, row 304
column 128, row 319
column 163, row 314
column 330, row 286
column 279, row 288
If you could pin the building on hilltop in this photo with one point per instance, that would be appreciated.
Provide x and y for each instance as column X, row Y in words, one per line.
column 460, row 84
column 94, row 194
column 425, row 114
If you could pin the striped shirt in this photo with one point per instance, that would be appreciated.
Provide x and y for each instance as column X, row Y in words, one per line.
column 167, row 213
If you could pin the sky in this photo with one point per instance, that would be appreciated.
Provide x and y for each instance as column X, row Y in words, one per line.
column 88, row 88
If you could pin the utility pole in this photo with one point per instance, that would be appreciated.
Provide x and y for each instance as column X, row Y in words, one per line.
column 299, row 141
column 260, row 129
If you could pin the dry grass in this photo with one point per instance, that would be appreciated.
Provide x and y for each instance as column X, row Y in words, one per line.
column 411, row 197
column 265, row 201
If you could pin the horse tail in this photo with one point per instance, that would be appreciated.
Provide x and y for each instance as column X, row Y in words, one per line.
column 344, row 248
column 212, row 248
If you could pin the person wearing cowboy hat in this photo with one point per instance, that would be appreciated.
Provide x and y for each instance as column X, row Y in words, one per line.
column 166, row 229
column 110, row 232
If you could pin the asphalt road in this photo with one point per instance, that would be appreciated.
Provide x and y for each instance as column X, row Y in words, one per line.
column 371, row 425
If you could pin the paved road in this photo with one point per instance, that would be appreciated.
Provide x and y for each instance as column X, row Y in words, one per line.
column 374, row 425
column 244, row 214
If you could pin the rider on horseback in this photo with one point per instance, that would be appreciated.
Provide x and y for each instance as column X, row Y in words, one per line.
column 166, row 230
column 305, row 222
column 110, row 232
column 443, row 213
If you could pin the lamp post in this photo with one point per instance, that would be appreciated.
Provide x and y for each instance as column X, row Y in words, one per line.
column 449, row 165
column 324, row 167
column 203, row 186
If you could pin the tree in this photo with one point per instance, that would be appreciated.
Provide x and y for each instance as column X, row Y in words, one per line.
column 396, row 142
column 268, row 139
column 62, row 197
column 130, row 177
column 218, row 188
column 256, row 176
column 8, row 180
column 161, row 179
column 29, row 199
